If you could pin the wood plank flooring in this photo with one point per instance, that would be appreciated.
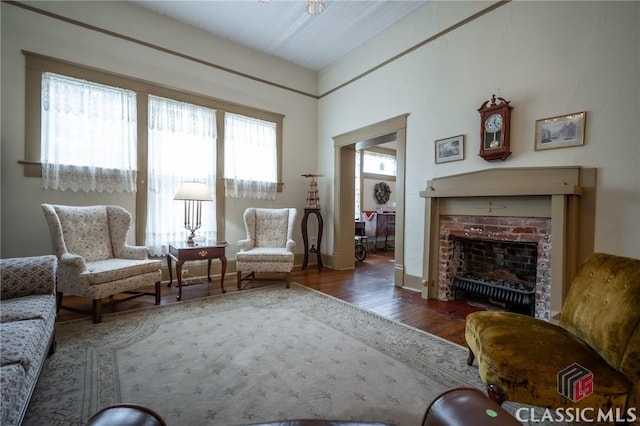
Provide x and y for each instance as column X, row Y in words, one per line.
column 369, row 286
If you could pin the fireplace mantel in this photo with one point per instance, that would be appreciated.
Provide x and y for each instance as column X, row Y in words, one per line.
column 508, row 182
column 566, row 195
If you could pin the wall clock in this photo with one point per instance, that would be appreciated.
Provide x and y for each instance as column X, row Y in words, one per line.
column 495, row 120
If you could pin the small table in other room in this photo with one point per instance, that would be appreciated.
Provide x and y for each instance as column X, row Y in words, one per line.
column 181, row 252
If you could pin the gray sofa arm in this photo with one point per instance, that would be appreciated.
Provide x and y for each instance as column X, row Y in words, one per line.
column 26, row 276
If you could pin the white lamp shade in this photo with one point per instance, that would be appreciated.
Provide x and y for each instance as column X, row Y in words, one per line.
column 197, row 191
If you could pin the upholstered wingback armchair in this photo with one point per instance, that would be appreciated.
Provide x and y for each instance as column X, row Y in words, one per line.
column 269, row 245
column 94, row 258
column 535, row 362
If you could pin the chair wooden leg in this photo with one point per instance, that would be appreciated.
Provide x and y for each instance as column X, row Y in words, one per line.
column 470, row 358
column 97, row 311
column 158, row 294
column 288, row 279
column 494, row 392
column 239, row 279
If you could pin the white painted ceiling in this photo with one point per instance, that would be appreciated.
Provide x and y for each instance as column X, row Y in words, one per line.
column 282, row 28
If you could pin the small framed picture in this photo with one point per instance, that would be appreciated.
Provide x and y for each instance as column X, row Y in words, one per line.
column 450, row 149
column 560, row 132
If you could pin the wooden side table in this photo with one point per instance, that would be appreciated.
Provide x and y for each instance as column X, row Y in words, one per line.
column 181, row 252
column 305, row 238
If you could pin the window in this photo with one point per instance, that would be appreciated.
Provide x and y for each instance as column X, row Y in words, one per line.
column 181, row 148
column 143, row 172
column 250, row 157
column 88, row 136
column 379, row 163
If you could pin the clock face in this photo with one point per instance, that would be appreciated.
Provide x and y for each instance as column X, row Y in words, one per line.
column 493, row 123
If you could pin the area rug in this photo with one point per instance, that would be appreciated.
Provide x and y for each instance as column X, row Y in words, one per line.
column 249, row 356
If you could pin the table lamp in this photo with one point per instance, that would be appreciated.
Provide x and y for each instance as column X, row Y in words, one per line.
column 193, row 194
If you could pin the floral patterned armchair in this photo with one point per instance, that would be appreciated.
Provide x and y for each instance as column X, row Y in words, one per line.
column 268, row 246
column 94, row 258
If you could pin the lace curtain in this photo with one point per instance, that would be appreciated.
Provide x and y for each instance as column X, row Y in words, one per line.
column 88, row 136
column 250, row 158
column 182, row 147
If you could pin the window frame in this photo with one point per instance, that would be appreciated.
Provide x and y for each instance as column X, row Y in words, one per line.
column 377, row 176
column 36, row 64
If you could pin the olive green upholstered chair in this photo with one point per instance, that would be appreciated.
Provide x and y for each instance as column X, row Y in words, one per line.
column 520, row 357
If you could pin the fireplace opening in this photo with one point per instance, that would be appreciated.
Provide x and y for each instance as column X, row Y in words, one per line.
column 495, row 274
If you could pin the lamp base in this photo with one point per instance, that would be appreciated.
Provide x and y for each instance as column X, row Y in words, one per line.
column 190, row 239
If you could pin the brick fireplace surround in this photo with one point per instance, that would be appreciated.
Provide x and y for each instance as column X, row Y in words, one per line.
column 497, row 229
column 552, row 207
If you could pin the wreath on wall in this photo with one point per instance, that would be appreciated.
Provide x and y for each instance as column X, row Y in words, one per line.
column 382, row 191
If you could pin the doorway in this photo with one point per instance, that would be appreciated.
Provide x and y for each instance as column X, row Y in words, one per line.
column 345, row 150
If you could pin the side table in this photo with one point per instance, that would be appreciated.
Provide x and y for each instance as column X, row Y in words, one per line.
column 305, row 239
column 181, row 252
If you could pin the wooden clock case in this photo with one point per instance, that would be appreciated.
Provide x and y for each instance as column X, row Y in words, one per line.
column 489, row 149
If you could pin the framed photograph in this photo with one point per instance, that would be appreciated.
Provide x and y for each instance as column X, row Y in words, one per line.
column 450, row 149
column 560, row 132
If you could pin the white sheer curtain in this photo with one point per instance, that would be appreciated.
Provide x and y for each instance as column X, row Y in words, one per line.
column 182, row 147
column 88, row 136
column 250, row 158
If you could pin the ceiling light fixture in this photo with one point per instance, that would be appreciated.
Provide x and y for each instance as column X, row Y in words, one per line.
column 315, row 6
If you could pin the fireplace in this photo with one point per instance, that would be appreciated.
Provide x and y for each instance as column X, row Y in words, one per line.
column 501, row 261
column 515, row 236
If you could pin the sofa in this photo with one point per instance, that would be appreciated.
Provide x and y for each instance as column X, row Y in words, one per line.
column 27, row 329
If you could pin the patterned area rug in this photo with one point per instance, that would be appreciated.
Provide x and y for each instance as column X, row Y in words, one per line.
column 250, row 356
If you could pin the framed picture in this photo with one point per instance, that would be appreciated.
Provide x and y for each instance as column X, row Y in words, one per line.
column 560, row 132
column 450, row 149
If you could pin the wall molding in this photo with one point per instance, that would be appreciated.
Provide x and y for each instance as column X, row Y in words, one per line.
column 249, row 76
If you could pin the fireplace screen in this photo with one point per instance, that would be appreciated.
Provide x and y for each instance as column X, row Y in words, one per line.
column 512, row 295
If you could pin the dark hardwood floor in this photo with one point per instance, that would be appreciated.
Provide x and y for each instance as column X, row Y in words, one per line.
column 369, row 286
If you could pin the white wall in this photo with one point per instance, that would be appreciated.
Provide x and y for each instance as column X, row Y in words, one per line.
column 547, row 58
column 24, row 230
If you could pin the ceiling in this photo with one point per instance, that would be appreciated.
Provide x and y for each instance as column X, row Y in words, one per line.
column 282, row 28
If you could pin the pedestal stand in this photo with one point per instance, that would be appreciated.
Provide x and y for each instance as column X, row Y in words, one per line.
column 305, row 237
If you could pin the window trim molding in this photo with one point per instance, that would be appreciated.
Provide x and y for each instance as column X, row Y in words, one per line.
column 36, row 64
